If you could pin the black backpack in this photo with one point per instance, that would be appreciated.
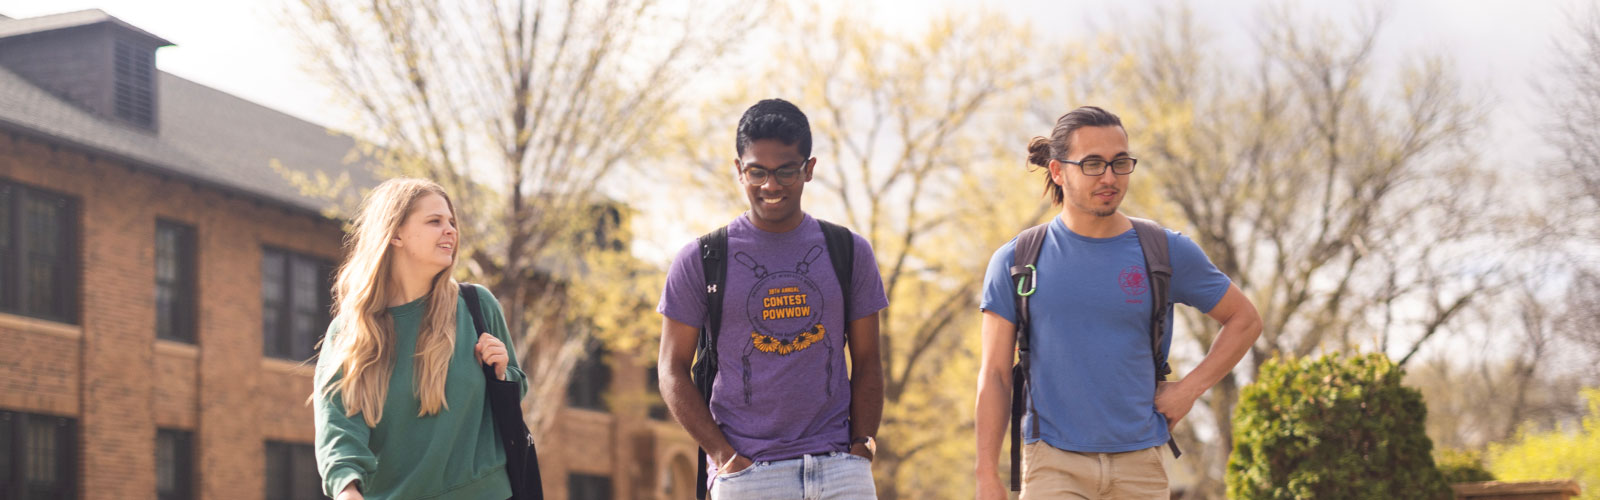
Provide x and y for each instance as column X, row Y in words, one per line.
column 1025, row 274
column 505, row 408
column 714, row 262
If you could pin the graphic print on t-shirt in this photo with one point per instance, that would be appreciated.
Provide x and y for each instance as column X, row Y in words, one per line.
column 1132, row 282
column 785, row 309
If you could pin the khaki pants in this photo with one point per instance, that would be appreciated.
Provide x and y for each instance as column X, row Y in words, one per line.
column 1051, row 473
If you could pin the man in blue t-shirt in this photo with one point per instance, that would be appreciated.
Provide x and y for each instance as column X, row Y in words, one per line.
column 1096, row 421
column 785, row 419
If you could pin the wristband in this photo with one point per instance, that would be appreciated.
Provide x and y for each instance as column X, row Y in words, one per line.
column 868, row 442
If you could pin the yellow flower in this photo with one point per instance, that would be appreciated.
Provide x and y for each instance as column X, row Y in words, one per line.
column 769, row 344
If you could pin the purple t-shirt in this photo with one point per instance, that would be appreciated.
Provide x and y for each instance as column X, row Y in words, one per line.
column 781, row 390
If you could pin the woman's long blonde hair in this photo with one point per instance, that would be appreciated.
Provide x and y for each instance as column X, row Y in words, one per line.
column 364, row 349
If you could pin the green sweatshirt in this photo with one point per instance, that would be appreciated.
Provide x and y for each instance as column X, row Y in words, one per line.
column 451, row 454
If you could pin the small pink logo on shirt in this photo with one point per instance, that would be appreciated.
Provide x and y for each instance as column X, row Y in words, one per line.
column 1132, row 280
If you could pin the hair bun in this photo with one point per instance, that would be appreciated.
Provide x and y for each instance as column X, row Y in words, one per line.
column 1039, row 151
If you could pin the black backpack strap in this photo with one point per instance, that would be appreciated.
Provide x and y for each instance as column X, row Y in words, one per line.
column 714, row 264
column 1025, row 275
column 1158, row 266
column 470, row 294
column 842, row 252
column 522, row 459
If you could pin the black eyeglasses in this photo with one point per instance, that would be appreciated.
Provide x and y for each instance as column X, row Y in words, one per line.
column 756, row 176
column 1097, row 167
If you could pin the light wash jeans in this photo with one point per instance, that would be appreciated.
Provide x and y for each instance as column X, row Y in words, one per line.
column 835, row 476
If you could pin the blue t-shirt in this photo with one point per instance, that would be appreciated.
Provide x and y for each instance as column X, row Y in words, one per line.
column 1093, row 377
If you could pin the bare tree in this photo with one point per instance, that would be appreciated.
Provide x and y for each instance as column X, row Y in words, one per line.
column 1543, row 346
column 908, row 127
column 1343, row 207
column 1574, row 97
column 1516, row 379
column 521, row 108
column 1579, row 324
column 901, row 125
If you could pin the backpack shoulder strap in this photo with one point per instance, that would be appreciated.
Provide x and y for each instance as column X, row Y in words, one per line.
column 1025, row 275
column 522, row 459
column 1158, row 268
column 1153, row 239
column 470, row 294
column 842, row 252
column 714, row 266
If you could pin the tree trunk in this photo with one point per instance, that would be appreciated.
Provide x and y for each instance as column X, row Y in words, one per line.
column 886, row 470
column 1224, row 397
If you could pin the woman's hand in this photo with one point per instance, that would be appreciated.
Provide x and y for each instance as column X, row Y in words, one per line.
column 350, row 492
column 491, row 351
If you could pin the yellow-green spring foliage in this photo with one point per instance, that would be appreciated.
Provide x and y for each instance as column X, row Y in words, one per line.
column 1557, row 454
column 1333, row 427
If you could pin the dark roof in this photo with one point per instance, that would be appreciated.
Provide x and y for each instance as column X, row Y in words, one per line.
column 205, row 135
column 19, row 27
column 238, row 141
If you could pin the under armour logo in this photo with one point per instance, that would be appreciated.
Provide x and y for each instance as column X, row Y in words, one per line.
column 712, row 288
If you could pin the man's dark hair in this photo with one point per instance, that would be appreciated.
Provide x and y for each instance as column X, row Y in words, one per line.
column 774, row 119
column 1041, row 149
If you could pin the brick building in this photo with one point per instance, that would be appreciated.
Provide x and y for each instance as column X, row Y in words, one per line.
column 614, row 439
column 161, row 286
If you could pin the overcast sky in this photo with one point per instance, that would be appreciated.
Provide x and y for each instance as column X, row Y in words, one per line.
column 1500, row 46
column 238, row 46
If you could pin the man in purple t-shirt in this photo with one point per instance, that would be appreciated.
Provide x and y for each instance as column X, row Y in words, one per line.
column 782, row 421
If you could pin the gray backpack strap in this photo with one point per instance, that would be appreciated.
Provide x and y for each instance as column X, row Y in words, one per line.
column 1024, row 275
column 1158, row 268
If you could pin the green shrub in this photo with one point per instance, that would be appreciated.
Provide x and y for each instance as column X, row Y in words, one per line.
column 1332, row 428
column 1462, row 466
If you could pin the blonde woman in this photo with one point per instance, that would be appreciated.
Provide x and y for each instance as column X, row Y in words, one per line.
column 399, row 395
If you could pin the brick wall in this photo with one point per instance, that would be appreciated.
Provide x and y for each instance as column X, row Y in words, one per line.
column 110, row 372
column 623, row 443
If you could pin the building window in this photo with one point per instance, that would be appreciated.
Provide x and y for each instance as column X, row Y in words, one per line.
column 590, row 379
column 295, row 298
column 38, row 258
column 588, row 487
column 174, row 464
column 175, row 282
column 135, row 83
column 677, row 480
column 38, row 456
column 292, row 472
